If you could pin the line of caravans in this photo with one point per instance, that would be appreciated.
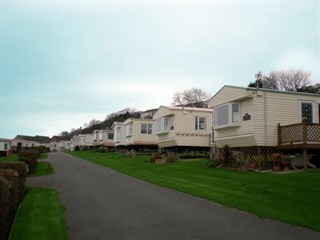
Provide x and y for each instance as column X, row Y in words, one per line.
column 242, row 118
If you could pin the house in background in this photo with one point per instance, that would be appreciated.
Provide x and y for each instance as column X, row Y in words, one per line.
column 180, row 128
column 261, row 121
column 59, row 143
column 22, row 142
column 5, row 147
column 103, row 138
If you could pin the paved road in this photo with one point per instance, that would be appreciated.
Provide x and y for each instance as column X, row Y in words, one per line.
column 104, row 204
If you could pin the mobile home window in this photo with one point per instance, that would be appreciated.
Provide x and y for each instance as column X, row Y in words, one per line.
column 307, row 112
column 235, row 113
column 110, row 136
column 162, row 124
column 226, row 114
column 146, row 128
column 221, row 115
column 200, row 123
column 129, row 129
column 118, row 133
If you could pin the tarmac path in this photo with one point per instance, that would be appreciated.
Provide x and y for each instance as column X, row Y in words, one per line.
column 103, row 204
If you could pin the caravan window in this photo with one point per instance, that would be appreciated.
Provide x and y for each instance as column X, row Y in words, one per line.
column 225, row 115
column 307, row 112
column 200, row 123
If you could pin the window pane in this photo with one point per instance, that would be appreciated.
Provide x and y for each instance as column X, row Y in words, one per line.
column 149, row 128
column 143, row 128
column 221, row 115
column 166, row 124
column 110, row 136
column 235, row 113
column 202, row 123
column 196, row 120
column 307, row 112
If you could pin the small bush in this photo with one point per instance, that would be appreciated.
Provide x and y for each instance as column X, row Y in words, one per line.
column 77, row 148
column 154, row 157
column 227, row 155
column 12, row 177
column 5, row 222
column 21, row 169
column 103, row 150
column 30, row 158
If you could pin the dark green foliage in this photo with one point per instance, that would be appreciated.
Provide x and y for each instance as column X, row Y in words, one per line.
column 102, row 150
column 21, row 169
column 77, row 148
column 13, row 177
column 227, row 155
column 30, row 158
column 4, row 208
column 10, row 199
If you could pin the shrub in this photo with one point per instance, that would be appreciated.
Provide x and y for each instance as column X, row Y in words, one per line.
column 30, row 158
column 77, row 148
column 171, row 157
column 4, row 209
column 227, row 155
column 154, row 157
column 103, row 150
column 12, row 177
column 21, row 169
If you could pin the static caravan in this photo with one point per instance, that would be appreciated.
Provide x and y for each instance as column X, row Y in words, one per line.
column 139, row 133
column 265, row 119
column 103, row 138
column 183, row 127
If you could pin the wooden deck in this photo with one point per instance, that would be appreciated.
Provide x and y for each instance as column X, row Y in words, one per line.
column 299, row 136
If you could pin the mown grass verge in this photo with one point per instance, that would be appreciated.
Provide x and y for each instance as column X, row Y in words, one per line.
column 292, row 198
column 40, row 217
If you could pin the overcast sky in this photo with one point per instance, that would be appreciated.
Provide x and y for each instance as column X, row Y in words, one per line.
column 64, row 63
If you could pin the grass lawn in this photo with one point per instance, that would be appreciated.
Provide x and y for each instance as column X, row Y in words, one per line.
column 40, row 217
column 292, row 198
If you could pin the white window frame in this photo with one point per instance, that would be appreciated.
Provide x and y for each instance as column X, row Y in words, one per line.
column 129, row 129
column 110, row 134
column 312, row 108
column 197, row 123
column 148, row 128
column 162, row 125
column 230, row 121
column 118, row 134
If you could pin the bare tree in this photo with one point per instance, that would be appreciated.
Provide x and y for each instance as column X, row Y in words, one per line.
column 190, row 96
column 286, row 80
column 292, row 80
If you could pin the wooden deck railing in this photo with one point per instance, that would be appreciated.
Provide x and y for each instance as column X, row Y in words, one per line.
column 302, row 135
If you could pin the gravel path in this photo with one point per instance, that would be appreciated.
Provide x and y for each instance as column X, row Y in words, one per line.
column 104, row 204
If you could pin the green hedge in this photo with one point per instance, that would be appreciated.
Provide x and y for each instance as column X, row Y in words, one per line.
column 12, row 190
column 21, row 169
column 30, row 157
column 4, row 209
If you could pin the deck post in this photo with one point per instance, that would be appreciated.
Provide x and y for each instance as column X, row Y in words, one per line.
column 279, row 135
column 305, row 159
